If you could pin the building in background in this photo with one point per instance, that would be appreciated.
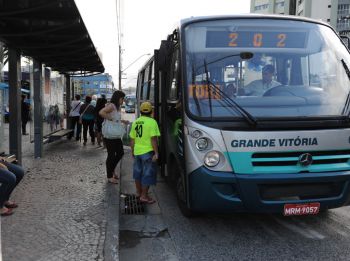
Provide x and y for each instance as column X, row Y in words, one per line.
column 286, row 7
column 334, row 12
column 97, row 84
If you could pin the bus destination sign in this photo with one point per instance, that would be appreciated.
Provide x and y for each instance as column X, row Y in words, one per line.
column 248, row 39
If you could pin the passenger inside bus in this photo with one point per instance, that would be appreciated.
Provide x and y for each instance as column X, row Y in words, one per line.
column 259, row 87
column 230, row 90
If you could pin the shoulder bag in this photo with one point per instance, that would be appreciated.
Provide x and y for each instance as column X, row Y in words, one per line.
column 81, row 115
column 112, row 129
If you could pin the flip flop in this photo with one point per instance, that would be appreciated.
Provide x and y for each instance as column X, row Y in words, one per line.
column 113, row 181
column 8, row 212
column 11, row 205
column 147, row 201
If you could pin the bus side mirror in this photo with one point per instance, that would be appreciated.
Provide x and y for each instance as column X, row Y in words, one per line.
column 164, row 54
column 246, row 55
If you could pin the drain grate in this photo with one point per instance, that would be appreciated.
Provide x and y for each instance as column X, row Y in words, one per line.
column 132, row 206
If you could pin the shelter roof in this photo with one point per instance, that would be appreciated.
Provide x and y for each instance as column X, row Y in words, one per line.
column 52, row 32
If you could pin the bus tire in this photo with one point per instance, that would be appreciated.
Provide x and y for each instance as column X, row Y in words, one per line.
column 181, row 198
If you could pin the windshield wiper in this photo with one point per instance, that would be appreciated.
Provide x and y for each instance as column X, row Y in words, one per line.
column 246, row 115
column 347, row 102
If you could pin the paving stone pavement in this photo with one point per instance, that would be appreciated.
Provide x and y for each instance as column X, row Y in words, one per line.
column 63, row 207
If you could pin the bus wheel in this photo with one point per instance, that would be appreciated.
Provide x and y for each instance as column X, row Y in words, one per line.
column 181, row 198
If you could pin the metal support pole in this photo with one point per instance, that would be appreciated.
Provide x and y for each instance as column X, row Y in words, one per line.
column 68, row 99
column 15, row 137
column 1, row 59
column 2, row 101
column 38, row 113
column 72, row 89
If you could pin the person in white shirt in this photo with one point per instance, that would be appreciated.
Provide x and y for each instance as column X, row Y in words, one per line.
column 74, row 116
column 259, row 87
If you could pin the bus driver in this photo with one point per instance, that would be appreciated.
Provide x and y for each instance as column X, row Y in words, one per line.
column 259, row 87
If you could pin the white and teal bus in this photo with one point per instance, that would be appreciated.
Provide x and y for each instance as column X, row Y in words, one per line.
column 232, row 142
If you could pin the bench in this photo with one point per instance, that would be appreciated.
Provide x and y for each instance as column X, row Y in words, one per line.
column 57, row 135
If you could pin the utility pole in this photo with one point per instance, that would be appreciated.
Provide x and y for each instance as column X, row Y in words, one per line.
column 120, row 68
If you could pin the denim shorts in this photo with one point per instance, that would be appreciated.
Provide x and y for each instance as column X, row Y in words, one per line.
column 145, row 170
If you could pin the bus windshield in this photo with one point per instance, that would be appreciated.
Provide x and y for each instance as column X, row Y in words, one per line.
column 297, row 69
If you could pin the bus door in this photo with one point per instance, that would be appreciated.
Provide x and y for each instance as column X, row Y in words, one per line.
column 172, row 118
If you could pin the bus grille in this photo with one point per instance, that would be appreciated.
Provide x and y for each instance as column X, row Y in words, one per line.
column 276, row 192
column 320, row 160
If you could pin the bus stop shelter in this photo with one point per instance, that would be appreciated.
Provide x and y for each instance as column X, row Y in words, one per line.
column 53, row 34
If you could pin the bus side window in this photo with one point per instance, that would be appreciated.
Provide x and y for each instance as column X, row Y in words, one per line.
column 145, row 87
column 173, row 91
column 140, row 85
column 151, row 83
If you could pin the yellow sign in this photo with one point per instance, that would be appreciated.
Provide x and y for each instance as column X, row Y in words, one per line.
column 201, row 91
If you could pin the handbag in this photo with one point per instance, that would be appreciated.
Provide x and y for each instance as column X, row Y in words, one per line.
column 81, row 115
column 112, row 129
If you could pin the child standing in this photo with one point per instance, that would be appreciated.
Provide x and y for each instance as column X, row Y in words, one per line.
column 144, row 135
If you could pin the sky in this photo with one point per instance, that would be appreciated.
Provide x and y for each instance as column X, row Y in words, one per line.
column 144, row 23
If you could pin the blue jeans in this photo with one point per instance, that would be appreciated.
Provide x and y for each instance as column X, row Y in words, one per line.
column 145, row 170
column 9, row 179
column 75, row 121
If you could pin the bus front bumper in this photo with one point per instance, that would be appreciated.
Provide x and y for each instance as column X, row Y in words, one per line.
column 226, row 192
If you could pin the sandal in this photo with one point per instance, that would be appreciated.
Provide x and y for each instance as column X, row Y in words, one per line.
column 6, row 212
column 115, row 175
column 113, row 180
column 10, row 204
column 147, row 200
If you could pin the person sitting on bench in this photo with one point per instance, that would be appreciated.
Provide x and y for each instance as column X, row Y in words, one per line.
column 10, row 176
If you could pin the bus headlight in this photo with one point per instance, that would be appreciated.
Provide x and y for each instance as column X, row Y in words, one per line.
column 196, row 134
column 202, row 144
column 212, row 158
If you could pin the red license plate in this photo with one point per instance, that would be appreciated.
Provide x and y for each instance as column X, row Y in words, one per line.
column 301, row 209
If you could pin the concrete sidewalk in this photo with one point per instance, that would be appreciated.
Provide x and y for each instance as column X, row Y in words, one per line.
column 67, row 210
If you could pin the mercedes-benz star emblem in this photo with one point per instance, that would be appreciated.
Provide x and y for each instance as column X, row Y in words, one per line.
column 305, row 159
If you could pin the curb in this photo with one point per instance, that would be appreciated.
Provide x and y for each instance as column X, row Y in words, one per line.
column 111, row 246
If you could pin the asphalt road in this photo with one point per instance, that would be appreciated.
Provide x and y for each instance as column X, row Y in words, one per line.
column 325, row 236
